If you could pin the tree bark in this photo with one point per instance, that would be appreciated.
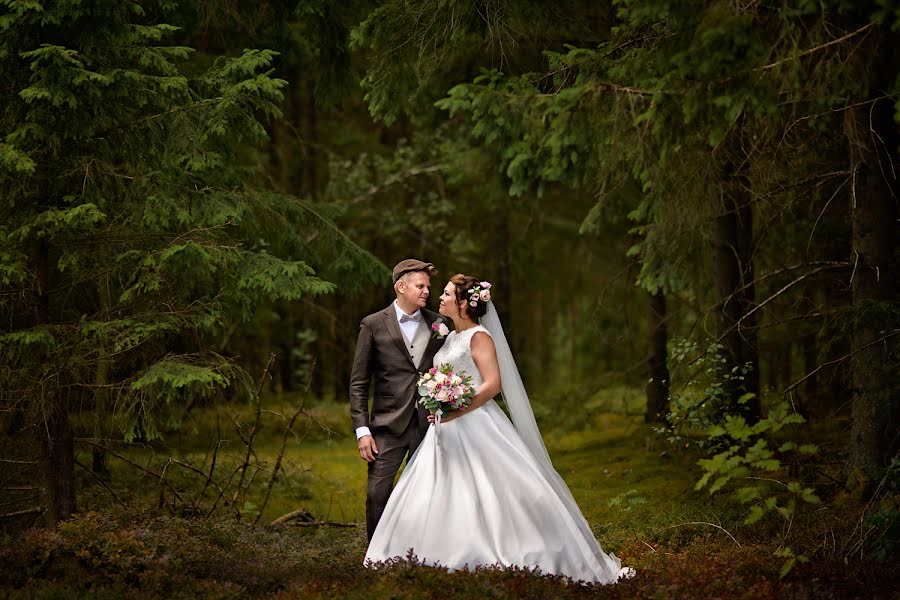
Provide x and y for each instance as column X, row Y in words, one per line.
column 59, row 460
column 658, row 385
column 873, row 141
column 57, row 441
column 733, row 243
column 101, row 378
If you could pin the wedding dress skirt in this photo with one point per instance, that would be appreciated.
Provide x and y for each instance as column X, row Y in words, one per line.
column 473, row 494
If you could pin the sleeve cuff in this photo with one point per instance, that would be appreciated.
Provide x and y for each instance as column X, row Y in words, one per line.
column 361, row 431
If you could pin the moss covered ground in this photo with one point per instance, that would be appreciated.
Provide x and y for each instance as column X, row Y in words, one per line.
column 635, row 490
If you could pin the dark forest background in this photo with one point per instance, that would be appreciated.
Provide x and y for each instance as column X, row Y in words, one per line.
column 695, row 201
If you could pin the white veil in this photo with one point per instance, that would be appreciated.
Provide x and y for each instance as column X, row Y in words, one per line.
column 513, row 392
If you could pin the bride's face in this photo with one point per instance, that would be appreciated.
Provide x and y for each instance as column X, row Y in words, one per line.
column 448, row 306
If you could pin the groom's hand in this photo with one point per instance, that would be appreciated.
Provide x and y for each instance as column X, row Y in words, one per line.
column 367, row 448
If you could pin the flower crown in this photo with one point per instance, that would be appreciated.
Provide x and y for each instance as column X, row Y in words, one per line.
column 480, row 292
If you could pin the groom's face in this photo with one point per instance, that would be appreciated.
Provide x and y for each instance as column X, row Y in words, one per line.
column 413, row 288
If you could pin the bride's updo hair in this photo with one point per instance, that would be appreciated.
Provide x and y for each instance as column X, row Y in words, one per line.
column 465, row 284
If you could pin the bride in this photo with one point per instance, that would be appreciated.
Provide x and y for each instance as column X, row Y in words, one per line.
column 480, row 490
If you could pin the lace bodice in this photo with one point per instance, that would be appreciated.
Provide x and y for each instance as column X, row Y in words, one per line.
column 457, row 350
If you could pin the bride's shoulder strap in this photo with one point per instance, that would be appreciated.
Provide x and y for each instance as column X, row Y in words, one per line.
column 481, row 328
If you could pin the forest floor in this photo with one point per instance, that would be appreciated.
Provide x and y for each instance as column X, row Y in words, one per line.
column 637, row 493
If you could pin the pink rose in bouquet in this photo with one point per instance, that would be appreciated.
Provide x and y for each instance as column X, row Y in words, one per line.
column 442, row 390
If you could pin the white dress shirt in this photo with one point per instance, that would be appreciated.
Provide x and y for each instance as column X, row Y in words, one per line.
column 409, row 330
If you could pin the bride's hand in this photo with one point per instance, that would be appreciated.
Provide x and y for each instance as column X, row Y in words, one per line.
column 447, row 417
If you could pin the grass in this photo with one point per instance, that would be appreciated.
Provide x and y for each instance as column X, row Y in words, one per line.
column 636, row 492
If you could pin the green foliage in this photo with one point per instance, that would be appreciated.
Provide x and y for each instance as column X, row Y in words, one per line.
column 114, row 552
column 884, row 520
column 134, row 237
column 400, row 78
column 748, row 460
column 699, row 406
column 683, row 102
column 627, row 501
column 303, row 357
column 791, row 560
column 754, row 465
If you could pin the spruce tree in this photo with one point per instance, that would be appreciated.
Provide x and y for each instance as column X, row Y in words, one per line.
column 132, row 229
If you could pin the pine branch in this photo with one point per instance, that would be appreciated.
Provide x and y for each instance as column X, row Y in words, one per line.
column 809, row 51
column 840, row 359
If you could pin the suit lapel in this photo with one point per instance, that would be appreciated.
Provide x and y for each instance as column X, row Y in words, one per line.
column 393, row 327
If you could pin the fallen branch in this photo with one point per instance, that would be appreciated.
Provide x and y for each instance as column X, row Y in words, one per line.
column 321, row 524
column 300, row 513
column 31, row 511
column 139, row 466
column 19, row 501
column 711, row 525
column 192, row 468
column 103, row 483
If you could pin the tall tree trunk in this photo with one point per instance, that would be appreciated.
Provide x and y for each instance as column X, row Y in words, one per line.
column 57, row 441
column 101, row 379
column 658, row 385
column 59, row 462
column 733, row 243
column 311, row 139
column 873, row 142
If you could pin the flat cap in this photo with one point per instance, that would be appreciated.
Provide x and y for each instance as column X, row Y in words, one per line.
column 411, row 265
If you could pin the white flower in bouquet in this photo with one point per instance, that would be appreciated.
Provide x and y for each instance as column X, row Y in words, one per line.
column 442, row 390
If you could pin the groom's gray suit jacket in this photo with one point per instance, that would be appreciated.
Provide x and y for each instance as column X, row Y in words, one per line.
column 382, row 354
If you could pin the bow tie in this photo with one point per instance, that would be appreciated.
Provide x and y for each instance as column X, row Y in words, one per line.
column 416, row 318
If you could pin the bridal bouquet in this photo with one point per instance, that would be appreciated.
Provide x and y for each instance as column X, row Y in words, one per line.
column 442, row 390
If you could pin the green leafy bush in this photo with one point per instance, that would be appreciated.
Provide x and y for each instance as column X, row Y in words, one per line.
column 700, row 403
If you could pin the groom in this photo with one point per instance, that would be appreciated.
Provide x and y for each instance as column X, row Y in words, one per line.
column 394, row 345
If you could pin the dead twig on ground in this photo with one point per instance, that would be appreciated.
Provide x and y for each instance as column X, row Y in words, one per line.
column 300, row 513
column 103, row 483
column 241, row 491
column 212, row 466
column 287, row 431
column 711, row 525
column 20, row 513
column 161, row 478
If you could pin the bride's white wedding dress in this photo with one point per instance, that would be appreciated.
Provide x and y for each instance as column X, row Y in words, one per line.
column 474, row 493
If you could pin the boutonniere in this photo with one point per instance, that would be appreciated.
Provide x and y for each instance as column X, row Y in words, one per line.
column 439, row 330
